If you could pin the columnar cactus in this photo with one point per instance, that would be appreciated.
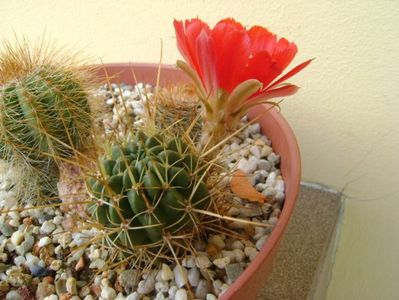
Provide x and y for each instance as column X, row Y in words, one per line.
column 44, row 114
column 147, row 188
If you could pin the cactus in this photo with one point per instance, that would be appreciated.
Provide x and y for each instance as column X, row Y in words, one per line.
column 178, row 107
column 148, row 188
column 44, row 113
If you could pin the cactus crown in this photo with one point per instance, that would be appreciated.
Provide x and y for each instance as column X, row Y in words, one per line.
column 148, row 188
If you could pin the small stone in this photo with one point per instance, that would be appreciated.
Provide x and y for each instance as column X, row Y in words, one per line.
column 130, row 278
column 47, row 227
column 221, row 263
column 71, row 286
column 273, row 220
column 17, row 279
column 210, row 297
column 237, row 245
column 217, row 240
column 97, row 264
column 180, row 276
column 266, row 150
column 248, row 166
column 38, row 271
column 17, row 237
column 60, row 286
column 259, row 244
column 108, row 293
column 172, row 291
column 203, row 262
column 14, row 223
column 233, row 271
column 44, row 289
column 133, row 296
column 44, row 241
column 211, row 250
column 255, row 151
column 273, row 158
column 6, row 229
column 80, row 264
column 239, row 255
column 202, row 289
column 193, row 276
column 26, row 245
column 181, row 294
column 19, row 260
column 166, row 273
column 55, row 264
column 13, row 295
column 264, row 164
column 146, row 286
column 162, row 286
column 250, row 252
column 51, row 297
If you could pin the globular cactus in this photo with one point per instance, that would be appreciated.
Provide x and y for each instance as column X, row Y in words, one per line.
column 178, row 108
column 148, row 188
column 44, row 114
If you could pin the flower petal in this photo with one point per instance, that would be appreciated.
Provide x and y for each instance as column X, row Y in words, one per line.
column 285, row 90
column 284, row 53
column 186, row 40
column 291, row 73
column 231, row 52
column 262, row 40
column 261, row 67
column 206, row 59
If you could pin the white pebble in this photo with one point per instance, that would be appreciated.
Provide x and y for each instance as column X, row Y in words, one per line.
column 181, row 294
column 210, row 297
column 108, row 293
column 133, row 296
column 264, row 165
column 180, row 275
column 193, row 276
column 221, row 263
column 271, row 179
column 52, row 297
column 44, row 241
column 47, row 227
column 248, row 166
column 259, row 244
column 17, row 237
column 14, row 223
column 250, row 252
column 237, row 245
column 203, row 262
column 255, row 151
column 166, row 273
column 19, row 260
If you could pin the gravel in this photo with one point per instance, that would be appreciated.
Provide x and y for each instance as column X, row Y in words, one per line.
column 35, row 244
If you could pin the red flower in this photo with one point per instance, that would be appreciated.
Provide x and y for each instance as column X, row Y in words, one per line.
column 228, row 55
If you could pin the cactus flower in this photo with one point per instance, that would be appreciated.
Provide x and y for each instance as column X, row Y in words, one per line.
column 234, row 68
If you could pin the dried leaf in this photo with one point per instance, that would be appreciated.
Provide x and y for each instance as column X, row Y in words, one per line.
column 242, row 187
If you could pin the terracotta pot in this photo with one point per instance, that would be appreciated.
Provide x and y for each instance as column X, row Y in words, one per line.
column 274, row 126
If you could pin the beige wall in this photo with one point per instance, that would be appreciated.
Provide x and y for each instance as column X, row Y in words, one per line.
column 346, row 115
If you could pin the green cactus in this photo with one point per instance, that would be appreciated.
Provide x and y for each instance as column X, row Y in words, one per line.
column 44, row 114
column 148, row 187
